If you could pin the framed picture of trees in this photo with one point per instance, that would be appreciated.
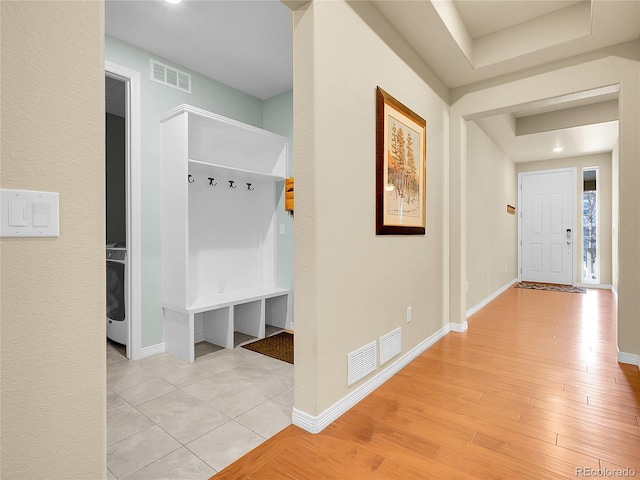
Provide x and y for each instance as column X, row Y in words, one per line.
column 401, row 168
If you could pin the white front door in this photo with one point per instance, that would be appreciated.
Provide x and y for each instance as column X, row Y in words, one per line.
column 547, row 226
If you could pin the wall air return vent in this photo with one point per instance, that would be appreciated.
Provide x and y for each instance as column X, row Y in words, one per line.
column 361, row 362
column 171, row 77
column 390, row 345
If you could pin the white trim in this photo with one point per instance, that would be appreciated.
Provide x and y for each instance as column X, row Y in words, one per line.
column 601, row 286
column 615, row 292
column 459, row 327
column 134, row 201
column 316, row 424
column 629, row 358
column 151, row 351
column 574, row 173
column 490, row 298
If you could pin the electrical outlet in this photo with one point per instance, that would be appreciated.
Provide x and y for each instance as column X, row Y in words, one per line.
column 409, row 314
column 467, row 286
column 505, row 269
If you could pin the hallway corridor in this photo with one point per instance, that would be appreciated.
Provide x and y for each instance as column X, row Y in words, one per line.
column 532, row 390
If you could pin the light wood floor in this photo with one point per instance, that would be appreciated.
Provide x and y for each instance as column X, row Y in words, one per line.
column 531, row 391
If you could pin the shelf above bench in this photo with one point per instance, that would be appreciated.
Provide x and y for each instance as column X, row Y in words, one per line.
column 241, row 173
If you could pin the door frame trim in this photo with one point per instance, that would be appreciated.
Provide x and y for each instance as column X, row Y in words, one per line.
column 134, row 215
column 574, row 214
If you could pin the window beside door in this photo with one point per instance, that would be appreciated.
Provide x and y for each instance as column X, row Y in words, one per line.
column 590, row 247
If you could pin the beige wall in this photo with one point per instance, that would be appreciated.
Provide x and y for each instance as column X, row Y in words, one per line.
column 603, row 162
column 52, row 349
column 353, row 286
column 492, row 233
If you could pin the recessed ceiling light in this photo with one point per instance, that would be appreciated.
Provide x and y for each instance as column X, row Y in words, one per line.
column 174, row 1
column 558, row 149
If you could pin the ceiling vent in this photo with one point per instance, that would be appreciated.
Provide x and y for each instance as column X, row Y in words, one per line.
column 171, row 77
column 361, row 362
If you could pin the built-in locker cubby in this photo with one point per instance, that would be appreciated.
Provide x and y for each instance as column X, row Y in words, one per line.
column 219, row 230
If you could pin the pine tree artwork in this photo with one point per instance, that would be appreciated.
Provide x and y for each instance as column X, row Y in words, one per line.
column 401, row 168
column 403, row 182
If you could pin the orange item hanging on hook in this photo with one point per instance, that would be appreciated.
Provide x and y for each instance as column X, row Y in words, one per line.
column 288, row 195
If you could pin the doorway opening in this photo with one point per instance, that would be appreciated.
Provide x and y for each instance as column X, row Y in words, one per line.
column 122, row 110
column 590, row 210
column 117, row 301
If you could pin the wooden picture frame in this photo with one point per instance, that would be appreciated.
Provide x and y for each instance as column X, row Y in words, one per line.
column 401, row 168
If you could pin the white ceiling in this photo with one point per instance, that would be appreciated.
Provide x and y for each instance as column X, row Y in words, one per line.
column 247, row 44
column 482, row 18
column 242, row 43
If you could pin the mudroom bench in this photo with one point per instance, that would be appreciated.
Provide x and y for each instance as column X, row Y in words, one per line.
column 219, row 319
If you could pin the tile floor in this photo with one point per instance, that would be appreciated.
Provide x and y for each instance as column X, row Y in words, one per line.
column 169, row 419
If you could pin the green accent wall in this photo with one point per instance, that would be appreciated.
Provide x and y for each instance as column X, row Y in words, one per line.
column 278, row 118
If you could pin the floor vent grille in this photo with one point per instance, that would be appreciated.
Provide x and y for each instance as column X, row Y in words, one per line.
column 390, row 345
column 169, row 76
column 362, row 362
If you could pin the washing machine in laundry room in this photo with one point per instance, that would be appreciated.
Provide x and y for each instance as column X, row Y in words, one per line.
column 117, row 294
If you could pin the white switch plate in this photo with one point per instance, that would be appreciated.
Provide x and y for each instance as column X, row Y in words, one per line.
column 25, row 213
column 282, row 229
column 409, row 314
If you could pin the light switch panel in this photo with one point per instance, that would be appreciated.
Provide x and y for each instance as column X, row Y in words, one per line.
column 25, row 213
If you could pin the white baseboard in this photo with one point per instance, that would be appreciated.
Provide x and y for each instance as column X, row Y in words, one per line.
column 459, row 327
column 198, row 337
column 152, row 350
column 601, row 286
column 629, row 358
column 314, row 424
column 490, row 298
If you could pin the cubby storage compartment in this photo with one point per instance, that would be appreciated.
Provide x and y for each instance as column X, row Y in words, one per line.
column 275, row 311
column 218, row 230
column 216, row 325
column 247, row 320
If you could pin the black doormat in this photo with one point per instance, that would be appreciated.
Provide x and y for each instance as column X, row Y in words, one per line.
column 278, row 346
column 552, row 287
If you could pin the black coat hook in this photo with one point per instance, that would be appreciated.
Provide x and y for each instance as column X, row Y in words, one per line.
column 249, row 187
column 211, row 179
column 190, row 179
column 231, row 184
